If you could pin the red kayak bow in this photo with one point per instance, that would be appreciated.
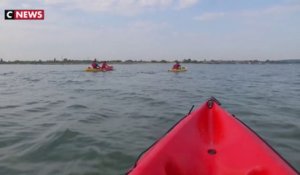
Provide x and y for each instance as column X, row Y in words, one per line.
column 211, row 141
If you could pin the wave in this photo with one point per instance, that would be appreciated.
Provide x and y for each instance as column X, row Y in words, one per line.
column 77, row 106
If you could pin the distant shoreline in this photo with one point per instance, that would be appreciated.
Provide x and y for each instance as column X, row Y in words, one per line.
column 189, row 61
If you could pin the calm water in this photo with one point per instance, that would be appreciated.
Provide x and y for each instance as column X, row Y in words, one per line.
column 60, row 120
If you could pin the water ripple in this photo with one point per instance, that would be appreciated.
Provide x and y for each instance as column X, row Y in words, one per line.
column 9, row 107
column 77, row 106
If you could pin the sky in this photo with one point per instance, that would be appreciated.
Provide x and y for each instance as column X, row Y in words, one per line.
column 153, row 30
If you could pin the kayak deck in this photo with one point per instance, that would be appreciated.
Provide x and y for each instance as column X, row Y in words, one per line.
column 210, row 141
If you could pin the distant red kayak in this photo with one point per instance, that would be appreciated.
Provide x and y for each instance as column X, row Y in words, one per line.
column 211, row 141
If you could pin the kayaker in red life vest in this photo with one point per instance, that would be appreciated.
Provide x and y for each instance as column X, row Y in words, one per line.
column 95, row 64
column 177, row 65
column 104, row 65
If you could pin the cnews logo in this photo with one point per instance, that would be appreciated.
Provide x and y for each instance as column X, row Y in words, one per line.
column 24, row 14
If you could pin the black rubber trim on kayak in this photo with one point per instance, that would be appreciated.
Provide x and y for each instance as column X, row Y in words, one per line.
column 142, row 153
column 290, row 165
column 211, row 101
column 191, row 110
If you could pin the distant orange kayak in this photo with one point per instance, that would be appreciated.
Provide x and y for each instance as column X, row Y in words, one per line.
column 211, row 141
column 89, row 69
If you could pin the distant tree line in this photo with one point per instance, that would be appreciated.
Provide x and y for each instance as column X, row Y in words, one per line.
column 129, row 61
